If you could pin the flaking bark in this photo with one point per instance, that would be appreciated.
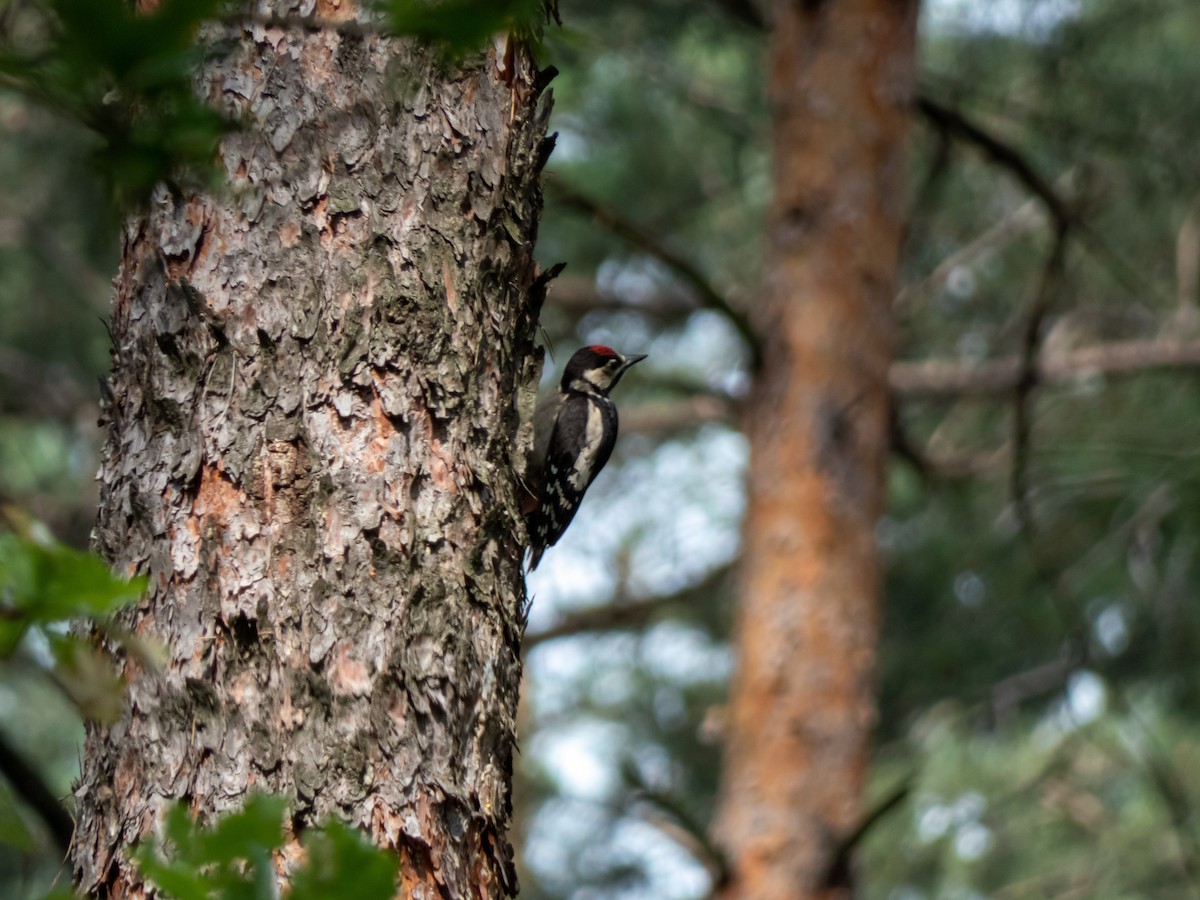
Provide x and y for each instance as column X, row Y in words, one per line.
column 311, row 454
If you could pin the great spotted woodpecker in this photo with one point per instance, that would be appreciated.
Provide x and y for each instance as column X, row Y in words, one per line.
column 575, row 429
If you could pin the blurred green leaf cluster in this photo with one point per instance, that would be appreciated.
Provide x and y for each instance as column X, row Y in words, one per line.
column 127, row 76
column 233, row 858
column 459, row 27
column 43, row 582
column 45, row 586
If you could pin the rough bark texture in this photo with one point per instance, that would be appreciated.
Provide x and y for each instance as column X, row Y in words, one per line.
column 311, row 454
column 801, row 712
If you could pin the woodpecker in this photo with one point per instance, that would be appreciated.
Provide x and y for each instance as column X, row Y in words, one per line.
column 575, row 429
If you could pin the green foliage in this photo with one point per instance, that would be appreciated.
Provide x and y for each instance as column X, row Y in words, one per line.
column 127, row 77
column 232, row 859
column 44, row 585
column 459, row 26
column 1069, row 808
column 43, row 582
column 341, row 863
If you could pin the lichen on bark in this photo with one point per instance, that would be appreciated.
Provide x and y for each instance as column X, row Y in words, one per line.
column 311, row 454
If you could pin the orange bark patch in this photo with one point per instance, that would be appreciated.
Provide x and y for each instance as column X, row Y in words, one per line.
column 332, row 520
column 290, row 717
column 335, row 10
column 439, row 468
column 451, row 293
column 289, row 857
column 375, row 458
column 398, row 710
column 349, row 676
column 385, row 826
column 289, row 233
column 217, row 499
column 244, row 690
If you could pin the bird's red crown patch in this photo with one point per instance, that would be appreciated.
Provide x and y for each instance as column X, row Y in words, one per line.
column 601, row 350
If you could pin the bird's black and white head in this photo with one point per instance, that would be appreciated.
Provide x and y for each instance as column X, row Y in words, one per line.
column 596, row 369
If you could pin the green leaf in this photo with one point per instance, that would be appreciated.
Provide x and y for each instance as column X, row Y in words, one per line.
column 231, row 860
column 127, row 76
column 257, row 827
column 14, row 832
column 459, row 26
column 212, row 862
column 45, row 581
column 343, row 864
column 178, row 881
column 87, row 677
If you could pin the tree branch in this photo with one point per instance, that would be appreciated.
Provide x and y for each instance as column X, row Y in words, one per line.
column 629, row 614
column 1009, row 693
column 643, row 240
column 1003, row 154
column 1024, row 219
column 680, row 415
column 934, row 379
column 677, row 822
column 837, row 873
column 577, row 295
column 1008, row 157
column 1027, row 379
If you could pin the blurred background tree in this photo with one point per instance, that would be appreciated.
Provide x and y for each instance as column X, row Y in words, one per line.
column 1035, row 684
column 1037, row 679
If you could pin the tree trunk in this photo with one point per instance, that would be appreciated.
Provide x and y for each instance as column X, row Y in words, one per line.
column 311, row 453
column 841, row 81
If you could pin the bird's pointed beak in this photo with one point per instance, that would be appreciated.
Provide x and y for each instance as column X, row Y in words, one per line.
column 631, row 359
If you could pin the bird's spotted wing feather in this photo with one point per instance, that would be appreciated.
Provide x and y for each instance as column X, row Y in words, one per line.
column 579, row 447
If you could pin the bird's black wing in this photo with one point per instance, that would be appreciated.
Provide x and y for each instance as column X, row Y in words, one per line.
column 569, row 469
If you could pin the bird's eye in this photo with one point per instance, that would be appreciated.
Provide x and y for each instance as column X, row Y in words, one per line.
column 611, row 364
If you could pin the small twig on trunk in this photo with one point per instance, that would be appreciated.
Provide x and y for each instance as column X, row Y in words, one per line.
column 630, row 614
column 838, row 871
column 642, row 239
column 1005, row 155
column 674, row 820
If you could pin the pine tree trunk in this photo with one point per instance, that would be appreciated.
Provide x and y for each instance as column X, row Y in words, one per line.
column 801, row 711
column 311, row 454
